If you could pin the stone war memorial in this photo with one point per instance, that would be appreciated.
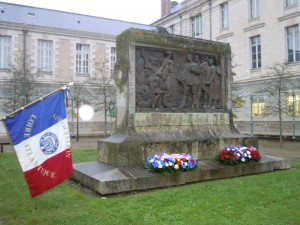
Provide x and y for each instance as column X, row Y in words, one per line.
column 173, row 96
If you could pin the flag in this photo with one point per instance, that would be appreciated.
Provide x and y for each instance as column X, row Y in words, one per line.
column 41, row 139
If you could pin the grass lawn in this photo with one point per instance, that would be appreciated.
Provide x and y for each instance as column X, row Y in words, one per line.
column 269, row 198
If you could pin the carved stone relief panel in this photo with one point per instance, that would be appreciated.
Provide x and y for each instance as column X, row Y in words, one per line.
column 168, row 80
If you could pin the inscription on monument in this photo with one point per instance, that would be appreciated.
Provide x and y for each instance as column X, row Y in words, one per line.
column 179, row 81
column 180, row 119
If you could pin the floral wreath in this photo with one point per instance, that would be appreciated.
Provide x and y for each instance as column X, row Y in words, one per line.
column 171, row 163
column 234, row 155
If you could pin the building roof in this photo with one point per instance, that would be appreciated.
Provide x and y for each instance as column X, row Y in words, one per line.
column 64, row 20
column 259, row 88
column 176, row 8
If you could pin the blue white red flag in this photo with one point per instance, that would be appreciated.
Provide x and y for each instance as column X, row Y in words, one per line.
column 41, row 139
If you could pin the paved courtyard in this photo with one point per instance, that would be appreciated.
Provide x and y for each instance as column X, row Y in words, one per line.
column 266, row 147
column 85, row 143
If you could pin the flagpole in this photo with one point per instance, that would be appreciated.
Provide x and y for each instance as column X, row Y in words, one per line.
column 40, row 99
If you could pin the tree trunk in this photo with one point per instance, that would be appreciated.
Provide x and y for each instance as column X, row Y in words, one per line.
column 280, row 129
column 105, row 118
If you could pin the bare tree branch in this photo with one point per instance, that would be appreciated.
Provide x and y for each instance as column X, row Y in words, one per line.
column 102, row 89
column 277, row 91
column 22, row 83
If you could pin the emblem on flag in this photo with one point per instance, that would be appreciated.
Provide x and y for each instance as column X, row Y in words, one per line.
column 49, row 143
column 40, row 136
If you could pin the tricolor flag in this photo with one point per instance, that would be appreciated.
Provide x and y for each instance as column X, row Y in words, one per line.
column 41, row 139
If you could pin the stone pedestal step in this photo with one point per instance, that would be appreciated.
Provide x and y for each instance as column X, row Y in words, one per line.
column 106, row 179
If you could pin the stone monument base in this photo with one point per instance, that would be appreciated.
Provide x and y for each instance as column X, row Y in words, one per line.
column 106, row 179
column 202, row 135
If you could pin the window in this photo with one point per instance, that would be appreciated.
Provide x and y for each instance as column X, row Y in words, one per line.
column 293, row 49
column 5, row 43
column 45, row 49
column 290, row 2
column 258, row 106
column 31, row 14
column 294, row 101
column 254, row 9
column 196, row 27
column 224, row 15
column 82, row 58
column 112, row 60
column 255, row 52
column 172, row 29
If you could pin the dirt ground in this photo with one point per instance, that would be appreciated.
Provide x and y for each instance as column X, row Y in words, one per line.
column 266, row 147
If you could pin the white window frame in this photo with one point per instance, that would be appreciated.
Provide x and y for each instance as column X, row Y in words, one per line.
column 172, row 29
column 288, row 3
column 197, row 26
column 224, row 15
column 290, row 101
column 293, row 41
column 113, row 59
column 45, row 56
column 255, row 49
column 258, row 106
column 82, row 59
column 5, row 52
column 254, row 6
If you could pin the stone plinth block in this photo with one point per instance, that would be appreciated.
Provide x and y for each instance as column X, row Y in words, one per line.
column 200, row 134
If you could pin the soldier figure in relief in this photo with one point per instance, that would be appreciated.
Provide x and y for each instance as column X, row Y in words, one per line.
column 158, row 83
column 190, row 81
column 214, row 84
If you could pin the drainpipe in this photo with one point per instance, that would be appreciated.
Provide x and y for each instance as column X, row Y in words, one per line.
column 72, row 119
column 180, row 16
column 294, row 112
column 210, row 25
column 251, row 116
column 24, row 47
column 24, row 56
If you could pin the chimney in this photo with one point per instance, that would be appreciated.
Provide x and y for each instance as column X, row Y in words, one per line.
column 165, row 7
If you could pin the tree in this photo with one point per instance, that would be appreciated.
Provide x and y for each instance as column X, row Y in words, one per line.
column 102, row 91
column 77, row 97
column 278, row 91
column 237, row 100
column 22, row 83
